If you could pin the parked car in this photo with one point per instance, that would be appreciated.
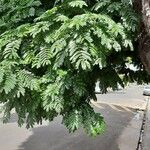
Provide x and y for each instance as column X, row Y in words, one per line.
column 146, row 90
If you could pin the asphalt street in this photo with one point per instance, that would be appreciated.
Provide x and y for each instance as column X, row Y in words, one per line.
column 123, row 125
column 132, row 97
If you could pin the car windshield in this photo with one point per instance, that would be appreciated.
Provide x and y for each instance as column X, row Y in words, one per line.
column 147, row 87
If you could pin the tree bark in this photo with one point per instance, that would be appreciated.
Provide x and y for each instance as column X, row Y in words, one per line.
column 146, row 14
column 144, row 42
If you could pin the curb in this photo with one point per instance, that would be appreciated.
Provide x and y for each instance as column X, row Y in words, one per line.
column 146, row 138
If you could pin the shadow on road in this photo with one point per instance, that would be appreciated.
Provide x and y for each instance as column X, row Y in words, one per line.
column 56, row 137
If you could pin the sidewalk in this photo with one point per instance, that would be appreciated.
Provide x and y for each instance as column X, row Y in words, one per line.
column 146, row 142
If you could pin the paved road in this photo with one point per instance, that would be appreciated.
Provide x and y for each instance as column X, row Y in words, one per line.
column 122, row 132
column 131, row 97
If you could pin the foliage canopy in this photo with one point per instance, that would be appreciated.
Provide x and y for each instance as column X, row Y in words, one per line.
column 53, row 52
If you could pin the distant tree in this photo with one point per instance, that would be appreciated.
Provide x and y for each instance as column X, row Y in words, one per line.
column 53, row 52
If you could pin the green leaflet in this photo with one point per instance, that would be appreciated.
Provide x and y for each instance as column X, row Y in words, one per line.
column 28, row 80
column 84, row 116
column 11, row 49
column 10, row 82
column 78, row 3
column 1, row 74
column 42, row 58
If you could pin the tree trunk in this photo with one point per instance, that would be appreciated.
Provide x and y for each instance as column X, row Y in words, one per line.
column 146, row 14
column 144, row 42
